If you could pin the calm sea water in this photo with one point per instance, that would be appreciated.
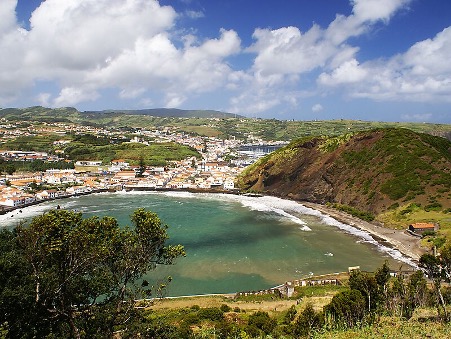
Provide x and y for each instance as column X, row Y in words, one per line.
column 236, row 243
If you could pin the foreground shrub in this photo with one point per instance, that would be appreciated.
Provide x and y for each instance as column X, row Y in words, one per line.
column 346, row 310
column 260, row 321
column 308, row 321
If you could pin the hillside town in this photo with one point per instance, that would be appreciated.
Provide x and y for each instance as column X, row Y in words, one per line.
column 222, row 161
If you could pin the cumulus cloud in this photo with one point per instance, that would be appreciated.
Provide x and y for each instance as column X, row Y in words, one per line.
column 7, row 16
column 286, row 54
column 347, row 72
column 133, row 48
column 374, row 10
column 69, row 96
column 89, row 45
column 44, row 99
column 422, row 73
column 174, row 100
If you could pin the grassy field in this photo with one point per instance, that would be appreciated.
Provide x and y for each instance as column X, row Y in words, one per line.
column 423, row 324
column 394, row 328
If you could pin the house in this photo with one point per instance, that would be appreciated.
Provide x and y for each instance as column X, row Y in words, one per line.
column 229, row 184
column 123, row 176
column 29, row 198
column 46, row 194
column 13, row 201
column 88, row 163
column 121, row 163
column 421, row 227
column 78, row 190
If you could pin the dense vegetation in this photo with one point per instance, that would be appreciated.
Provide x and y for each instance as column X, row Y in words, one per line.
column 34, row 143
column 100, row 148
column 363, row 305
column 63, row 276
column 10, row 167
column 153, row 154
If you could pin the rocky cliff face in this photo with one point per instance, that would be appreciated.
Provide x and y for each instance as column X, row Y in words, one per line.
column 370, row 171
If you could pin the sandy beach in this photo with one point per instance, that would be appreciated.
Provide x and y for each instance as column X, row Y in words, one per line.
column 399, row 239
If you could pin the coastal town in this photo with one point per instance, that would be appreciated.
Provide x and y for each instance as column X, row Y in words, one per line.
column 220, row 163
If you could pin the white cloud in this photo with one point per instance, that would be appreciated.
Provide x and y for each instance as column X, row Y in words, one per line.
column 286, row 55
column 81, row 35
column 374, row 10
column 173, row 100
column 131, row 93
column 195, row 14
column 317, row 108
column 134, row 47
column 44, row 99
column 88, row 45
column 348, row 72
column 365, row 13
column 7, row 16
column 431, row 56
column 417, row 117
column 69, row 96
column 287, row 50
column 422, row 74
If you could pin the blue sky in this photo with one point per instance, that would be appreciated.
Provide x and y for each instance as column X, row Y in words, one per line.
column 385, row 60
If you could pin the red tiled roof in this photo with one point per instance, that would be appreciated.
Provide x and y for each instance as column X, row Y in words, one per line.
column 422, row 225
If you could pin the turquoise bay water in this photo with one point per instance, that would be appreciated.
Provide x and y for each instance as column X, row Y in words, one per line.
column 236, row 243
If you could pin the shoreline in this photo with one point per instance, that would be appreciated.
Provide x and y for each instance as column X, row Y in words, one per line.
column 405, row 243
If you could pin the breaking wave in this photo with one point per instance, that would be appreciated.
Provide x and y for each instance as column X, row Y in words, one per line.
column 285, row 209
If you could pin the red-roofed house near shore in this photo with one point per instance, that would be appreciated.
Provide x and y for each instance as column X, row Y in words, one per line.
column 421, row 227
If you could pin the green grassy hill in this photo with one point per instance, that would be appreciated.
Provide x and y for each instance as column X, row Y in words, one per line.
column 210, row 123
column 371, row 172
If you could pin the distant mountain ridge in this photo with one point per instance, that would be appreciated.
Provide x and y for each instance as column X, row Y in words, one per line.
column 170, row 112
column 371, row 171
column 209, row 123
column 155, row 112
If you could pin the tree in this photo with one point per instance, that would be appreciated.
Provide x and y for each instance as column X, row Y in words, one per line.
column 290, row 315
column 142, row 167
column 433, row 268
column 85, row 273
column 308, row 321
column 346, row 309
column 367, row 285
column 20, row 316
column 445, row 262
column 261, row 321
column 10, row 168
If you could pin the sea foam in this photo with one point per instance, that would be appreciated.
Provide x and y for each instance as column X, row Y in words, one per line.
column 287, row 208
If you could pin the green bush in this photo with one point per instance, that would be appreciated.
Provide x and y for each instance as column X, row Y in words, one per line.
column 435, row 206
column 290, row 315
column 347, row 309
column 225, row 308
column 261, row 321
column 211, row 313
column 367, row 216
column 428, row 233
column 308, row 321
